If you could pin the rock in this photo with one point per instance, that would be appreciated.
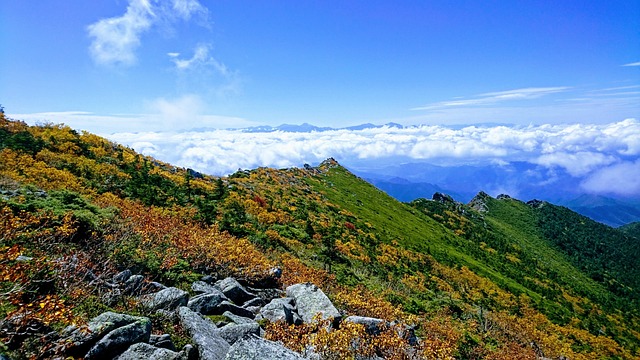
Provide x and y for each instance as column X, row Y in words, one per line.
column 234, row 291
column 503, row 197
column 168, row 299
column 76, row 341
column 253, row 302
column 238, row 319
column 122, row 276
column 479, row 202
column 210, row 345
column 162, row 341
column 142, row 351
column 227, row 306
column 372, row 326
column 118, row 340
column 154, row 286
column 23, row 258
column 266, row 294
column 280, row 309
column 275, row 272
column 310, row 301
column 202, row 287
column 443, row 198
column 206, row 304
column 252, row 347
column 208, row 279
column 133, row 285
column 233, row 332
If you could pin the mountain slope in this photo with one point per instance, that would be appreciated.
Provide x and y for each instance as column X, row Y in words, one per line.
column 476, row 284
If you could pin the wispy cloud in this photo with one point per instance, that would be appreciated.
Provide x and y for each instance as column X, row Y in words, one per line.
column 201, row 58
column 496, row 97
column 115, row 39
column 632, row 64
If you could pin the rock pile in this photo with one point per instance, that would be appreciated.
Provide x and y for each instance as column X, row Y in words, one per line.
column 239, row 337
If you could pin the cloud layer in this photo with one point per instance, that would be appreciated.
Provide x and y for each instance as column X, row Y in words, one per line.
column 603, row 158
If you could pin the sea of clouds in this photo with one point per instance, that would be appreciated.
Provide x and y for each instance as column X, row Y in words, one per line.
column 602, row 157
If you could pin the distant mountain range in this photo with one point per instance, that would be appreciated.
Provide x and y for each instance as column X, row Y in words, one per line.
column 409, row 181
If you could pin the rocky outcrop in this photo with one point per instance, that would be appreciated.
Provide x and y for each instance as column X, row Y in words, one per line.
column 256, row 348
column 311, row 301
column 479, row 202
column 235, row 335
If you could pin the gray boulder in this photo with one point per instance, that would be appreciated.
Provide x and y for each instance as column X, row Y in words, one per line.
column 206, row 304
column 201, row 287
column 310, row 301
column 133, row 284
column 373, row 326
column 232, row 308
column 122, row 276
column 162, row 341
column 118, row 340
column 252, row 347
column 280, row 309
column 210, row 345
column 167, row 299
column 76, row 341
column 253, row 302
column 233, row 332
column 234, row 291
column 238, row 319
column 142, row 351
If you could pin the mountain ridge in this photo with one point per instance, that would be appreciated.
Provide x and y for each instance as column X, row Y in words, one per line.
column 477, row 284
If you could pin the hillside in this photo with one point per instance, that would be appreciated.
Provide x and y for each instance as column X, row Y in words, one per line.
column 498, row 279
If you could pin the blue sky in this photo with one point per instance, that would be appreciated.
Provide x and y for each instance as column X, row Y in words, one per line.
column 168, row 77
column 142, row 65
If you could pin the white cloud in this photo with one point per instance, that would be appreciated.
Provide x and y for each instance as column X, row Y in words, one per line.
column 619, row 179
column 495, row 97
column 582, row 151
column 116, row 39
column 632, row 64
column 201, row 58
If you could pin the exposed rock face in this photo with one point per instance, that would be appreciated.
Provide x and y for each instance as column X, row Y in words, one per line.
column 255, row 348
column 167, row 299
column 443, row 198
column 210, row 345
column 310, row 301
column 479, row 202
column 535, row 203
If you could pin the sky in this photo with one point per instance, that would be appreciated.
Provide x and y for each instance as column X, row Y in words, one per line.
column 553, row 83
